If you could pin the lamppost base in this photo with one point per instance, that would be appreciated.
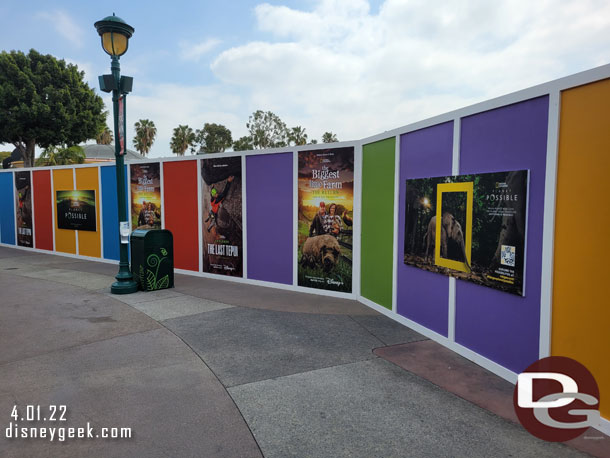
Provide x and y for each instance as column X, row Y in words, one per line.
column 124, row 287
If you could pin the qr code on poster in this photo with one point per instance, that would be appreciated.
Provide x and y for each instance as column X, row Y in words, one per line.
column 507, row 257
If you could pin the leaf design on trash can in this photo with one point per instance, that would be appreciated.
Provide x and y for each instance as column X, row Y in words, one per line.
column 163, row 251
column 141, row 279
column 163, row 283
column 151, row 280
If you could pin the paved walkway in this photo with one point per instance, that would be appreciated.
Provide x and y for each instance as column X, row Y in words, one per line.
column 218, row 369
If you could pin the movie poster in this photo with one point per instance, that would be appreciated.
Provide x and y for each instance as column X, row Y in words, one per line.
column 325, row 216
column 221, row 212
column 145, row 196
column 23, row 196
column 471, row 227
column 76, row 210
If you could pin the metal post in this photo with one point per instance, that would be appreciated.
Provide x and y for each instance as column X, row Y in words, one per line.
column 125, row 283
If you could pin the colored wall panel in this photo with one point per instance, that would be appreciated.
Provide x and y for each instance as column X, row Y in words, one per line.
column 89, row 243
column 377, row 232
column 7, row 209
column 500, row 326
column 65, row 239
column 43, row 209
column 269, row 200
column 110, row 215
column 422, row 296
column 181, row 211
column 581, row 315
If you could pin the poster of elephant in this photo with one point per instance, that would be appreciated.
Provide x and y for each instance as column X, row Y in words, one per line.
column 472, row 227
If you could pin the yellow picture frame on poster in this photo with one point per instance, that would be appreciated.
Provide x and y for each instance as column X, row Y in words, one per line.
column 466, row 187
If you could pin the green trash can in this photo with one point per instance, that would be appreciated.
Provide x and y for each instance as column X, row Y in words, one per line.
column 152, row 258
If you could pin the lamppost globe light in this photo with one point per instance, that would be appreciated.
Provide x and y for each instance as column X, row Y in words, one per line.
column 115, row 34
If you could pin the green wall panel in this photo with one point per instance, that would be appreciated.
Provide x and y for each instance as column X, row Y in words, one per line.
column 377, row 239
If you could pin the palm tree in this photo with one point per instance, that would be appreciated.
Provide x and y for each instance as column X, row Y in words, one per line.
column 297, row 135
column 104, row 137
column 329, row 137
column 183, row 138
column 145, row 135
column 61, row 155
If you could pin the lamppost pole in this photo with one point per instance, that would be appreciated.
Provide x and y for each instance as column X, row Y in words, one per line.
column 115, row 34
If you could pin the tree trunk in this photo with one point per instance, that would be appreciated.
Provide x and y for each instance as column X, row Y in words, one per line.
column 28, row 157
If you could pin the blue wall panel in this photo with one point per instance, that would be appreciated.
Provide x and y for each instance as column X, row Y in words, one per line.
column 110, row 217
column 7, row 209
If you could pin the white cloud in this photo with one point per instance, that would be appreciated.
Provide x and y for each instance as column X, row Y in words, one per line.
column 169, row 105
column 341, row 68
column 194, row 51
column 65, row 26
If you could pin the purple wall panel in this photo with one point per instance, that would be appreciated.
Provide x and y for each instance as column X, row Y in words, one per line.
column 422, row 296
column 270, row 221
column 500, row 326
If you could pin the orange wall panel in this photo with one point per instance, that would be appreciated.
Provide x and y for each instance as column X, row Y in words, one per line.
column 89, row 243
column 65, row 240
column 182, row 211
column 581, row 311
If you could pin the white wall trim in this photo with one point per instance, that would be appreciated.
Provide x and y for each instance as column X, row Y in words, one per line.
column 53, row 203
column 244, row 220
column 396, row 256
column 357, row 224
column 548, row 228
column 14, row 197
column 200, row 247
column 295, row 218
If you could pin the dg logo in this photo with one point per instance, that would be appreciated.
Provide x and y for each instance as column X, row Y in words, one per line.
column 557, row 399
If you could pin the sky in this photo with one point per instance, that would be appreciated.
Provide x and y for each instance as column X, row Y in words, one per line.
column 353, row 67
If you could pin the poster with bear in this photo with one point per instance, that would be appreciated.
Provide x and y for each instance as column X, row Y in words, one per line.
column 145, row 181
column 325, row 218
column 221, row 197
column 23, row 197
column 472, row 227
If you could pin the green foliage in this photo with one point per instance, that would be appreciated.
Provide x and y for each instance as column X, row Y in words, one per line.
column 45, row 101
column 329, row 137
column 267, row 130
column 297, row 136
column 243, row 144
column 4, row 155
column 213, row 138
column 145, row 135
column 61, row 155
column 183, row 138
column 105, row 137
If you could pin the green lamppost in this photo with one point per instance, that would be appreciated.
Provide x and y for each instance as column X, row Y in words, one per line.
column 115, row 34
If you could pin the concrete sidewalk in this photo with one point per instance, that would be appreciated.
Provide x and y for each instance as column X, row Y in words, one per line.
column 218, row 369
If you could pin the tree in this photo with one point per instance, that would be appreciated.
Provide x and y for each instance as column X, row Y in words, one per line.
column 145, row 135
column 267, row 130
column 183, row 138
column 329, row 137
column 45, row 101
column 243, row 144
column 61, row 155
column 104, row 137
column 297, row 136
column 213, row 138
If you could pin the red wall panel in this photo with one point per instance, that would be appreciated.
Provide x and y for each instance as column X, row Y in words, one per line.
column 43, row 210
column 182, row 212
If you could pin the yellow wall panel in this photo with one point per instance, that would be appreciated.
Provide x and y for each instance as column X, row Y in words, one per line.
column 581, row 307
column 65, row 240
column 89, row 243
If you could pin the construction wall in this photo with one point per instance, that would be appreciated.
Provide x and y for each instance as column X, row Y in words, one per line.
column 556, row 131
